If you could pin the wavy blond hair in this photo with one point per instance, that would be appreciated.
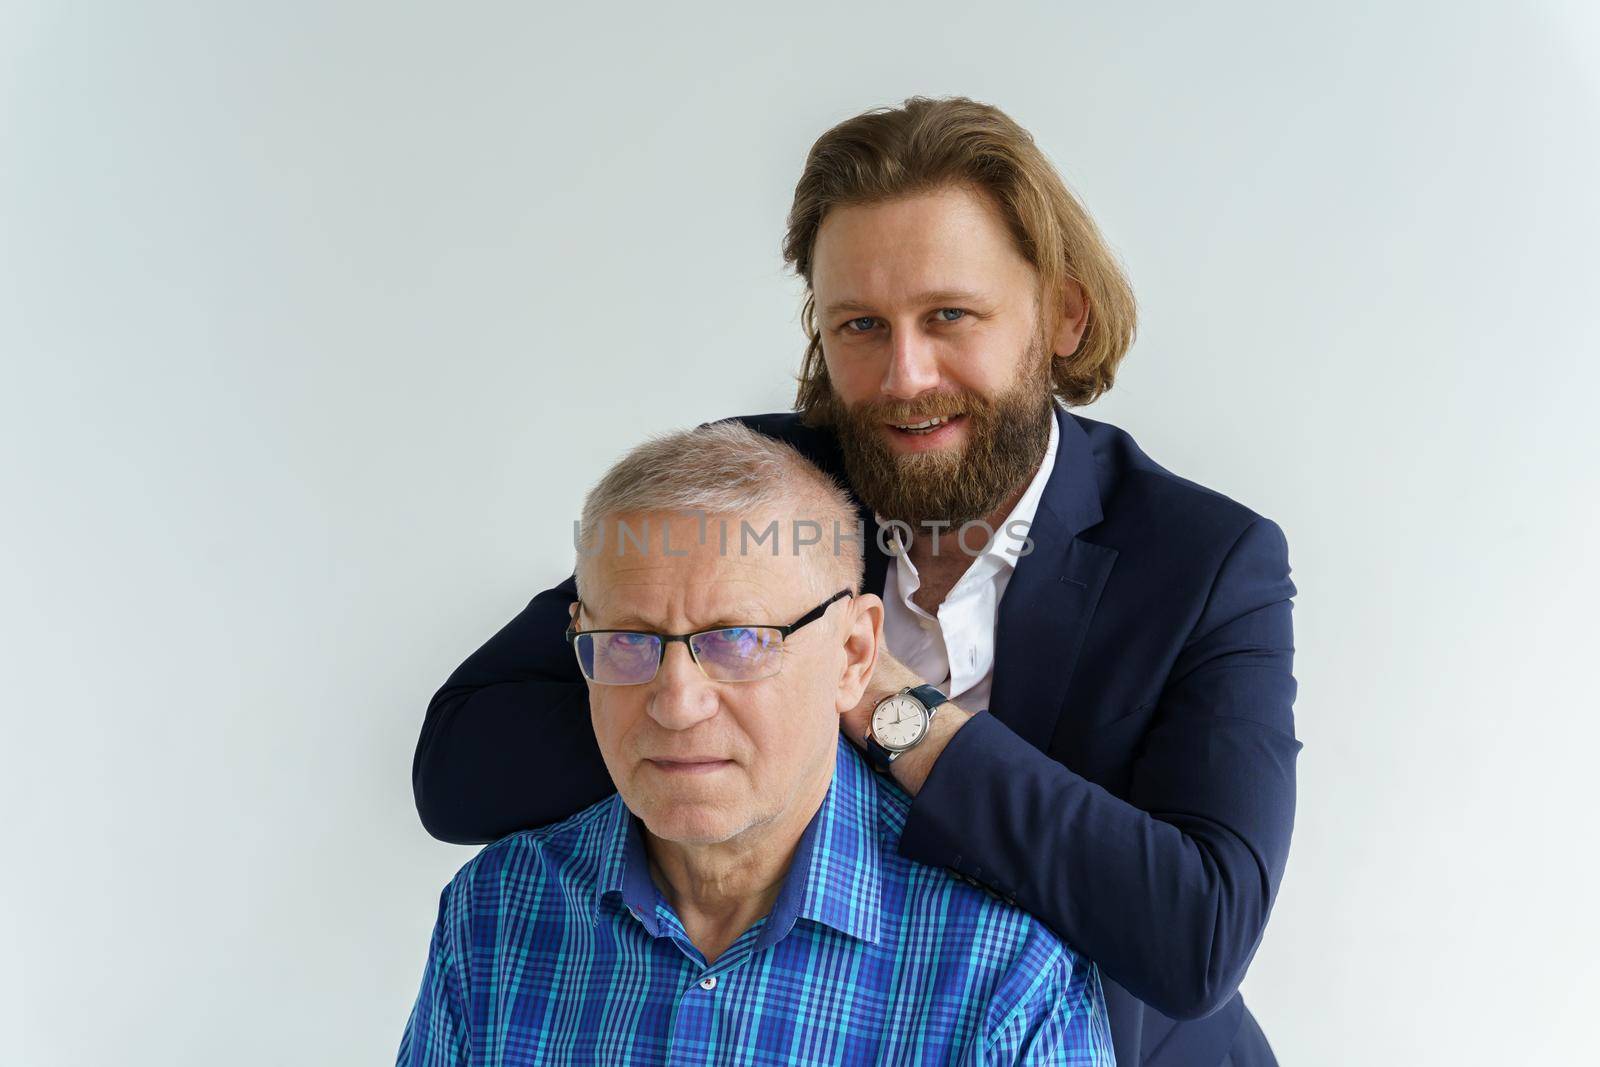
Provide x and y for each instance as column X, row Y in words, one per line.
column 927, row 144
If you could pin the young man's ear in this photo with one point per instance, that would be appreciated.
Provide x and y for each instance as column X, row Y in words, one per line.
column 863, row 640
column 1072, row 321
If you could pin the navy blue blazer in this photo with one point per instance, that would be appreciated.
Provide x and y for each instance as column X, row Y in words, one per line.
column 1131, row 782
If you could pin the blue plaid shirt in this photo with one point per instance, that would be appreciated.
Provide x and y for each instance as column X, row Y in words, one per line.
column 554, row 946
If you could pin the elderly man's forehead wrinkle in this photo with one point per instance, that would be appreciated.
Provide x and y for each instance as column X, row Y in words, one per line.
column 657, row 599
column 677, row 578
column 706, row 559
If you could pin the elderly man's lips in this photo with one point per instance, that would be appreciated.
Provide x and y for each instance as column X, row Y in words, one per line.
column 689, row 766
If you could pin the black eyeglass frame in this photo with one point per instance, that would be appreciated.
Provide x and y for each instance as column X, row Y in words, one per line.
column 809, row 617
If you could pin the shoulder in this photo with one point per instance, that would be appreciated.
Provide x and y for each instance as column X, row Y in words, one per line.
column 1023, row 965
column 1049, row 1006
column 784, row 425
column 817, row 445
column 567, row 853
column 1135, row 484
column 1174, row 525
column 1034, row 999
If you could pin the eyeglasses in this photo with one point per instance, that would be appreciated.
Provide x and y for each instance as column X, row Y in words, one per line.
column 725, row 654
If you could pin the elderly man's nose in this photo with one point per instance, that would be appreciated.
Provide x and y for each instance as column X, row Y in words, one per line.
column 682, row 695
column 913, row 366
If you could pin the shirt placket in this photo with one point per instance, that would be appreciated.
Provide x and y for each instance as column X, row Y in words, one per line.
column 696, row 1024
column 920, row 643
column 967, row 620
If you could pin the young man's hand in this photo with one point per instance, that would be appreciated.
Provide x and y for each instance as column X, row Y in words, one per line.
column 890, row 676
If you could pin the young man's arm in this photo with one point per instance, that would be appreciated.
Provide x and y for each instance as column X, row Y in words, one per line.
column 507, row 743
column 436, row 1033
column 1168, row 890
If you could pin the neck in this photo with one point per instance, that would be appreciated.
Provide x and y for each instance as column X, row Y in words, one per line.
column 942, row 560
column 719, row 890
column 945, row 551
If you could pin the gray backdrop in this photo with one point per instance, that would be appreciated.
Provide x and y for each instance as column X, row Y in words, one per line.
column 317, row 320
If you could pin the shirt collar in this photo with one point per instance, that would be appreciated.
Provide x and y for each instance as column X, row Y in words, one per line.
column 843, row 886
column 834, row 879
column 1006, row 546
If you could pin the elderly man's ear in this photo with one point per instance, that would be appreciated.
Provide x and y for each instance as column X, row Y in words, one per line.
column 863, row 637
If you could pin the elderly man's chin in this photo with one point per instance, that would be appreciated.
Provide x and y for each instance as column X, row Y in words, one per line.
column 707, row 809
column 695, row 822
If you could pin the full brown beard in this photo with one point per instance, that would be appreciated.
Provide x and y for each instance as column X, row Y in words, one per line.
column 1006, row 438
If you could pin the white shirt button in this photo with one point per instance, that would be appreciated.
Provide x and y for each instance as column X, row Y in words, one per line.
column 708, row 983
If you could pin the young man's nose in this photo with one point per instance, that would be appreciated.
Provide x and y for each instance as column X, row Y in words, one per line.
column 913, row 367
column 681, row 695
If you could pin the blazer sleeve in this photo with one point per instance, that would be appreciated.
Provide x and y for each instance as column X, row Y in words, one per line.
column 1168, row 890
column 507, row 743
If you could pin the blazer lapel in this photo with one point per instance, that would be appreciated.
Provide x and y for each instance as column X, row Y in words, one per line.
column 1051, row 596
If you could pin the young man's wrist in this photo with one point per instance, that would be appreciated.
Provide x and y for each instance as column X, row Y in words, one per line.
column 912, row 767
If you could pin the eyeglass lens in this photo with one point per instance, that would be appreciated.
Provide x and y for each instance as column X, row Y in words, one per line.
column 734, row 654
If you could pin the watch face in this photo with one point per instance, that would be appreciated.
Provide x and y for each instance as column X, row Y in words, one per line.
column 899, row 722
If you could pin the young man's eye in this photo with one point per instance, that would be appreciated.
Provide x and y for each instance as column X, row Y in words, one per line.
column 863, row 324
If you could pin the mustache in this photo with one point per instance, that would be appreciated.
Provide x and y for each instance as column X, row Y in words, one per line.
column 935, row 407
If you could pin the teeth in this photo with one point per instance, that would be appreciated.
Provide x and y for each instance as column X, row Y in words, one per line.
column 928, row 425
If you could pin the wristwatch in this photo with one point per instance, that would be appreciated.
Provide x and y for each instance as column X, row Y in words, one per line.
column 900, row 722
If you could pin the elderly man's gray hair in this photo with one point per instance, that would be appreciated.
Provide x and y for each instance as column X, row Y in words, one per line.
column 730, row 471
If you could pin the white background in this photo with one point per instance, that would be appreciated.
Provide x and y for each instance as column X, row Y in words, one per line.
column 318, row 319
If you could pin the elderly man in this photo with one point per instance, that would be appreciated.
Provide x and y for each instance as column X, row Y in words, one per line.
column 741, row 896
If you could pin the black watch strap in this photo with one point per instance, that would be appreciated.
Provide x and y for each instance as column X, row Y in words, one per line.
column 929, row 697
column 878, row 756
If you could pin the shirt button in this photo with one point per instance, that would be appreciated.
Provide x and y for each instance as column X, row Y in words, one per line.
column 708, row 983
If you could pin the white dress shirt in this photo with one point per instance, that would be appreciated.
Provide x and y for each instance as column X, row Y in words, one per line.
column 954, row 651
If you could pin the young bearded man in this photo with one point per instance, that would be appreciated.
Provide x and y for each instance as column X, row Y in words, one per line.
column 1111, row 741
